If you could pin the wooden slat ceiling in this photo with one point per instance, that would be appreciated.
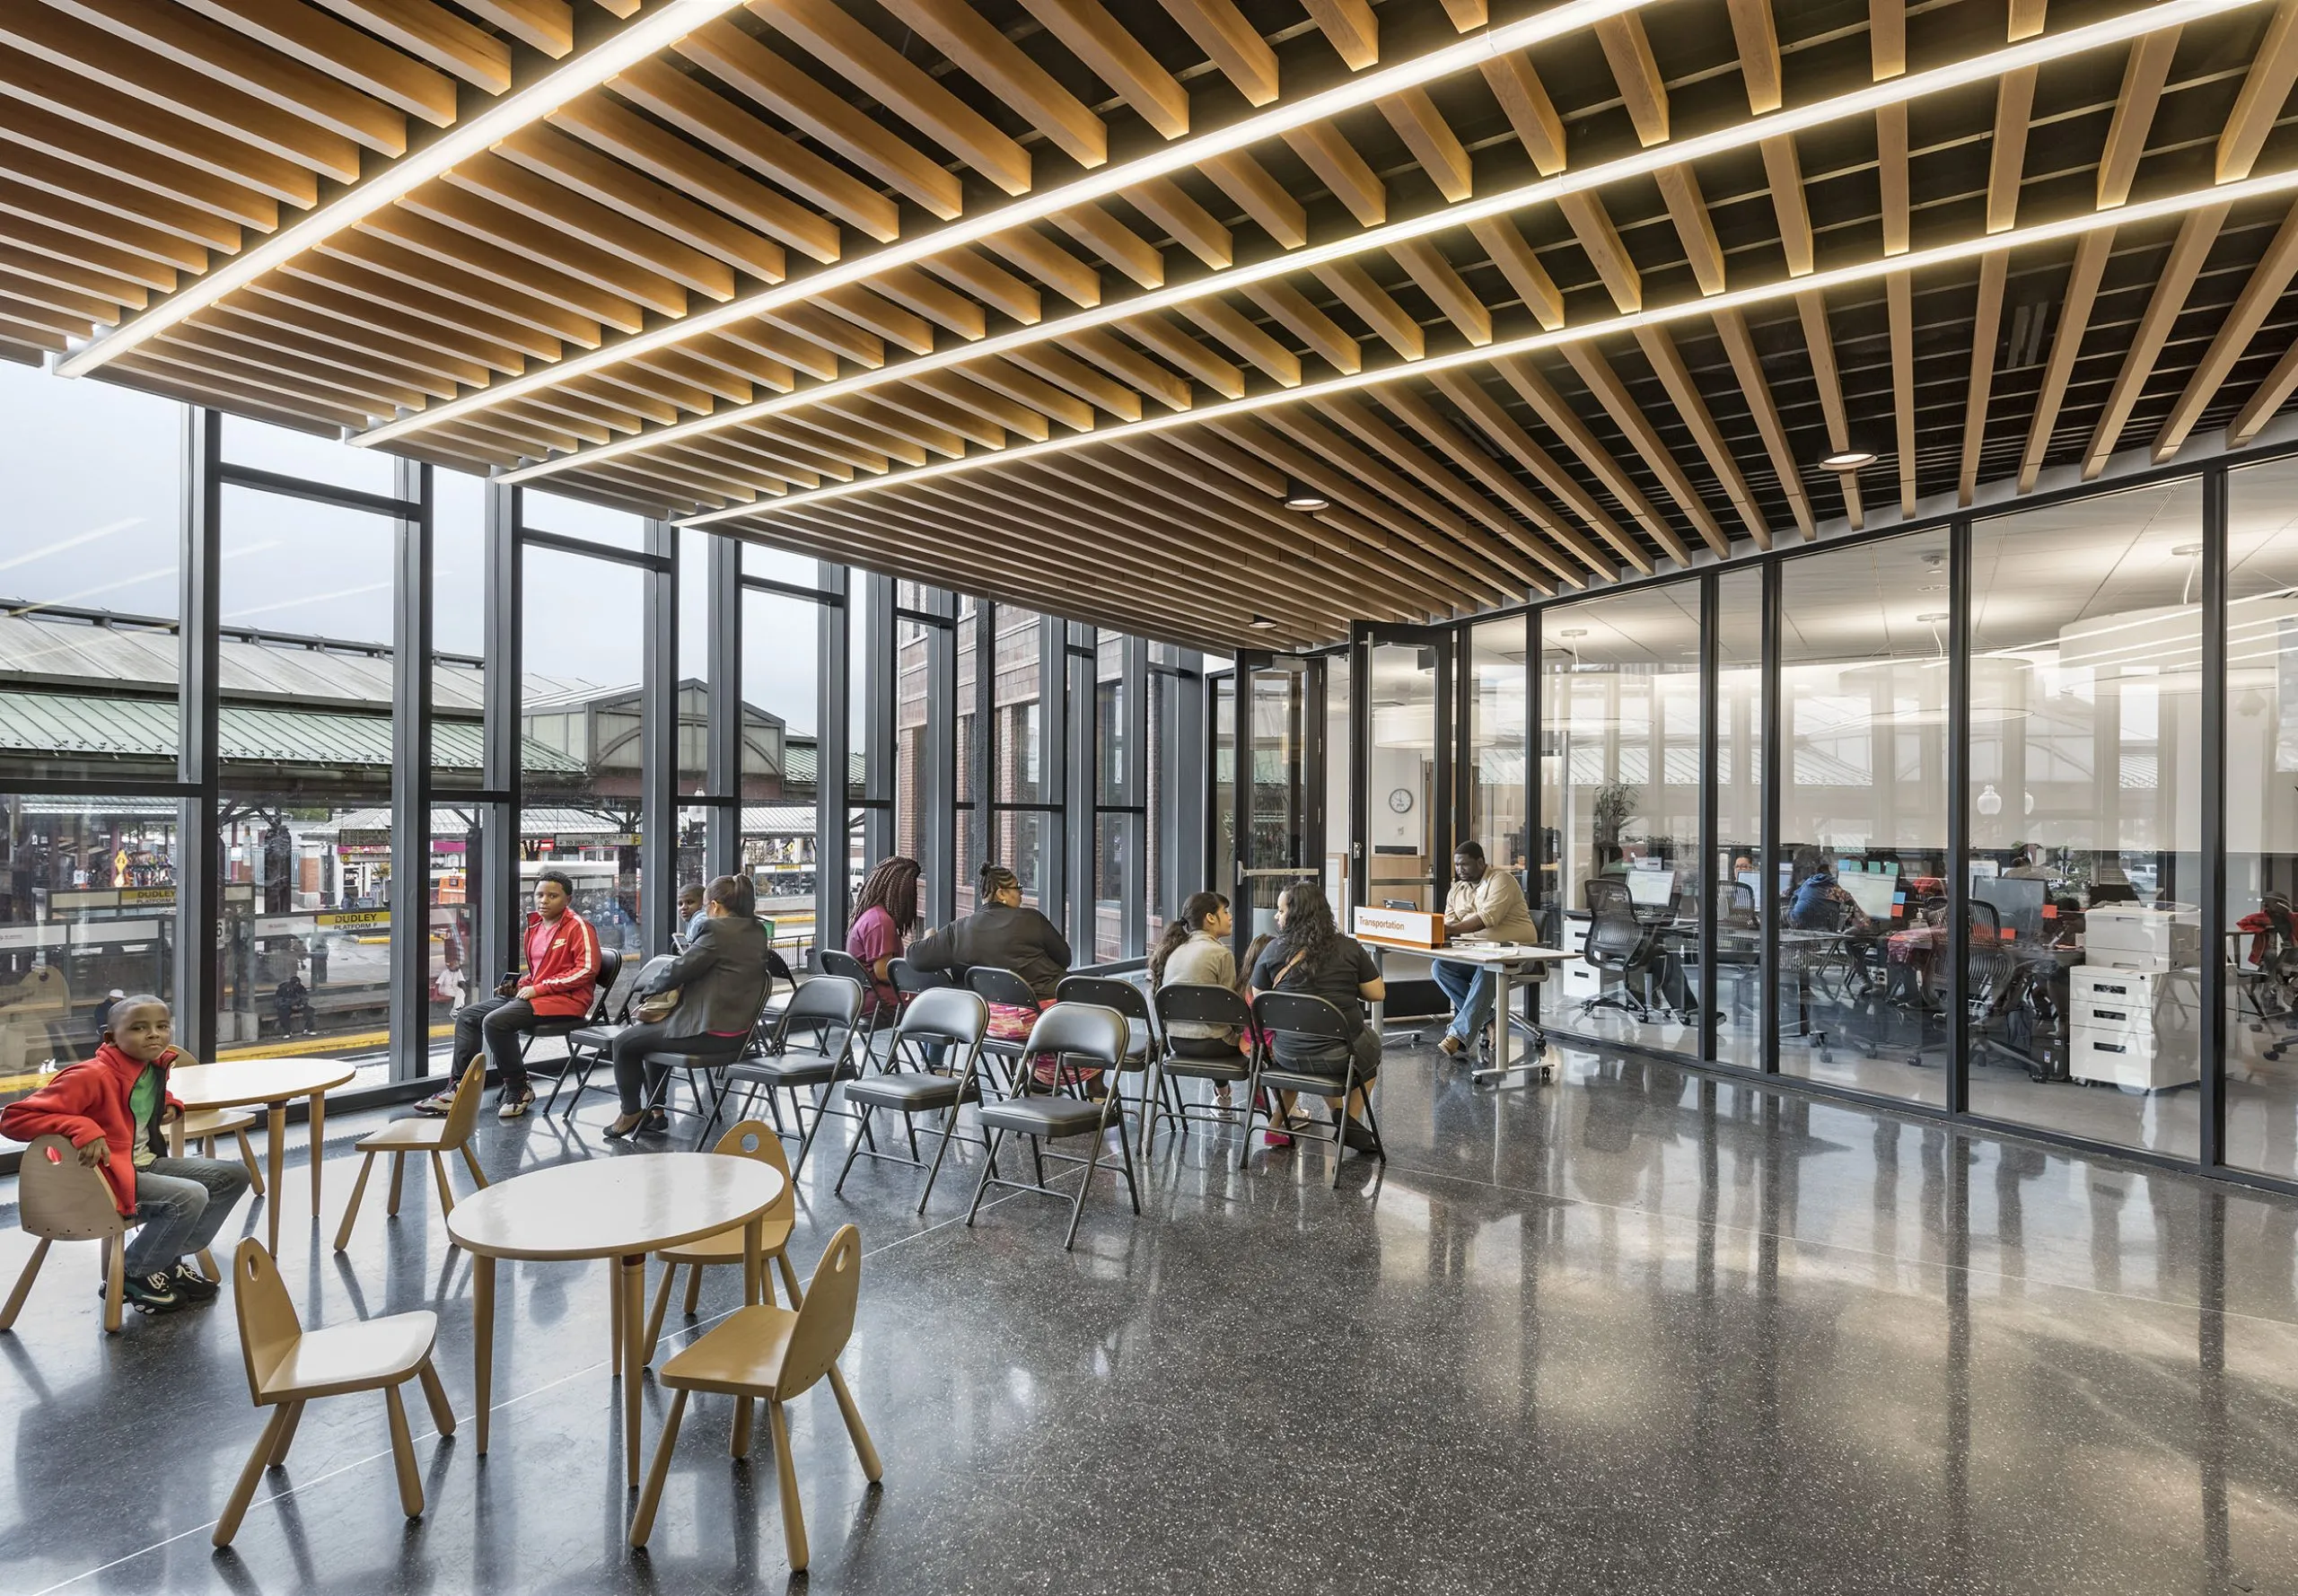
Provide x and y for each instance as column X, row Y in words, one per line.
column 619, row 298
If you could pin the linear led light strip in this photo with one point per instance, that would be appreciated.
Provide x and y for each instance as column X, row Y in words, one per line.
column 1036, row 207
column 1862, row 101
column 660, row 28
column 2175, row 204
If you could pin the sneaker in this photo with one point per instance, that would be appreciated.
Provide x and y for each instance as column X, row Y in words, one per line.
column 152, row 1293
column 515, row 1102
column 438, row 1103
column 1451, row 1045
column 1277, row 1138
column 191, row 1285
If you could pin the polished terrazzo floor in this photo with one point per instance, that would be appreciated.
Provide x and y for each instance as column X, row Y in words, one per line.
column 1638, row 1331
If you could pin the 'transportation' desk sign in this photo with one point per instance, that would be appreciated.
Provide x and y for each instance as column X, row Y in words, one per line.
column 1408, row 927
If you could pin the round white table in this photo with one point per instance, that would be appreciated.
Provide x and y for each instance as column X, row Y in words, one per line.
column 622, row 1208
column 274, row 1082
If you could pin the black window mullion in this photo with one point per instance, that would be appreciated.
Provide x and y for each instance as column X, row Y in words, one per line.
column 199, row 875
column 412, row 776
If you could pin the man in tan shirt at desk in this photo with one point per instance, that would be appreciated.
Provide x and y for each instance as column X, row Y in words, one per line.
column 1483, row 902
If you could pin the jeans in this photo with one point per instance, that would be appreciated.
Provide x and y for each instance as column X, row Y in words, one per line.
column 496, row 1022
column 182, row 1203
column 630, row 1051
column 1469, row 989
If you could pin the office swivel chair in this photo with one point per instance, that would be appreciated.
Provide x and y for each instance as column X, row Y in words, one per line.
column 1620, row 944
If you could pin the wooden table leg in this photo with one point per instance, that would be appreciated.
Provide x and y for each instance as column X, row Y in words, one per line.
column 482, row 1297
column 633, row 1272
column 753, row 1260
column 275, row 1133
column 319, row 1161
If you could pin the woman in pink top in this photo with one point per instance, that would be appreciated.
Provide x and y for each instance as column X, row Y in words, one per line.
column 885, row 914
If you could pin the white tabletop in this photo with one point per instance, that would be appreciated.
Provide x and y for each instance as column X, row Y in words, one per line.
column 1470, row 952
column 603, row 1207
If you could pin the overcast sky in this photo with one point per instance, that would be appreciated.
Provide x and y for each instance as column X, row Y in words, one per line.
column 90, row 501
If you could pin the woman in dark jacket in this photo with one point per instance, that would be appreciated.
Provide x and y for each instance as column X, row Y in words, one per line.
column 1001, row 935
column 721, row 980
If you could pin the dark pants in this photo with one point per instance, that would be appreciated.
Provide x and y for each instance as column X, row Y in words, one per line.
column 630, row 1051
column 182, row 1203
column 498, row 1023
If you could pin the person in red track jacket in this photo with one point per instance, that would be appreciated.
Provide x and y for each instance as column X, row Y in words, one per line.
column 111, row 1109
column 558, row 981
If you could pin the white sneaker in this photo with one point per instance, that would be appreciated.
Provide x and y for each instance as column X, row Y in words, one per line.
column 438, row 1103
column 515, row 1108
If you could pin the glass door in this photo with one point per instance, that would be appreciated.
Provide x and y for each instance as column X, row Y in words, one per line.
column 1403, row 766
column 1280, row 837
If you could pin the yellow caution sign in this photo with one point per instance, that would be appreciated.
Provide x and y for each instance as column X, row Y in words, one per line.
column 352, row 919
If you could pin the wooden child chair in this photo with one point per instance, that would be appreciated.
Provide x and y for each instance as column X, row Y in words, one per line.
column 749, row 1139
column 289, row 1365
column 416, row 1134
column 60, row 1199
column 773, row 1354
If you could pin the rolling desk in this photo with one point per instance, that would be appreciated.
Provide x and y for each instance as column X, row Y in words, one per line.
column 1505, row 960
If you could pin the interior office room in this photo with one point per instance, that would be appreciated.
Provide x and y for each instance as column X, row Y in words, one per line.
column 925, row 795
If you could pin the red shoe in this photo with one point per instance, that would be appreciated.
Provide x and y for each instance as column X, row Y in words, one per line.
column 1277, row 1138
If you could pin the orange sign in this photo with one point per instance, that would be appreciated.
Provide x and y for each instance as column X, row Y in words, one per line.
column 1408, row 927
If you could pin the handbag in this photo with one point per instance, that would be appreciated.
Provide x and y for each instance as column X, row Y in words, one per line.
column 657, row 1006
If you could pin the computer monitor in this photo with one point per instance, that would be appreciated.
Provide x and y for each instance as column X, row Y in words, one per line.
column 2018, row 903
column 1752, row 880
column 1874, row 894
column 1985, row 867
column 1651, row 889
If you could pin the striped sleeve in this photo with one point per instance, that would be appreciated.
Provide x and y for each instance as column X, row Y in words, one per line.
column 587, row 972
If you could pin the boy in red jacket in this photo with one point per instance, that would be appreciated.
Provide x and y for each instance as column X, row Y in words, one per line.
column 111, row 1108
column 562, row 969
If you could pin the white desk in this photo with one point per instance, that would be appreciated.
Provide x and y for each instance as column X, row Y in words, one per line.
column 1504, row 961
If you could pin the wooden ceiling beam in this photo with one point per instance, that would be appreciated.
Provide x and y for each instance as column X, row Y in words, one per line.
column 2142, row 79
column 1986, row 321
column 1747, row 364
column 728, row 53
column 2260, row 295
column 1247, row 183
column 720, row 124
column 1074, row 280
column 844, row 43
column 903, row 329
column 1389, row 322
column 346, row 283
column 435, row 35
column 833, row 334
column 1667, row 362
column 115, row 197
column 959, row 390
column 1899, row 300
column 1092, row 226
column 1290, row 309
column 1246, row 337
column 1109, row 50
column 1585, row 214
column 1067, row 372
column 1609, row 391
column 621, row 162
column 1003, row 68
column 1534, row 388
column 488, row 241
column 1819, row 338
column 1505, row 247
column 2197, row 231
column 1100, row 346
column 2092, row 252
column 1488, row 416
column 1436, row 276
column 522, row 192
column 1193, row 227
column 1230, row 43
column 990, row 283
column 302, row 32
column 1433, row 143
column 1322, row 148
column 2264, row 91
column 1155, row 331
column 274, row 302
column 1643, row 91
column 1002, row 376
column 1351, row 28
column 104, row 227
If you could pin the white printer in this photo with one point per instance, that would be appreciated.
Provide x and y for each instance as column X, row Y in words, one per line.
column 2130, row 1019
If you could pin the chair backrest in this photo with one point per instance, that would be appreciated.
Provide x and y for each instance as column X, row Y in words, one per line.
column 1613, row 930
column 1087, row 1031
column 832, row 1000
column 462, row 1113
column 826, row 1321
column 1196, row 1005
column 270, row 1326
column 610, row 972
column 1742, row 909
column 1124, row 996
column 1301, row 1014
column 907, row 977
column 1002, row 985
column 59, row 1197
column 753, row 1138
column 836, row 963
column 946, row 1013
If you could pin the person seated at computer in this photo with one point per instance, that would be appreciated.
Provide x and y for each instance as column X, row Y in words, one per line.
column 1818, row 902
column 1002, row 934
column 2026, row 863
column 1484, row 902
column 1310, row 955
column 720, row 982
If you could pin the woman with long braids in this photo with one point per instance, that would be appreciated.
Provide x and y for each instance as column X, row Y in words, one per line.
column 1194, row 951
column 885, row 918
column 1310, row 955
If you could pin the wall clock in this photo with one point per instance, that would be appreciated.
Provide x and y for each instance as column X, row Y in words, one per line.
column 1401, row 800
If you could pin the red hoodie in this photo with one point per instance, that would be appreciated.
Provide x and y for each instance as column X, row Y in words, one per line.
column 562, row 963
column 90, row 1099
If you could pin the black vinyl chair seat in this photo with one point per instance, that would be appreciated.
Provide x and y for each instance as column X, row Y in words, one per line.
column 1235, row 1067
column 912, row 1092
column 1305, row 1077
column 600, row 1037
column 786, row 1070
column 828, row 1005
column 1325, row 1065
column 1044, row 1116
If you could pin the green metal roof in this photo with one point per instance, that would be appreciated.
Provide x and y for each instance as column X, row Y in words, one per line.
column 131, row 728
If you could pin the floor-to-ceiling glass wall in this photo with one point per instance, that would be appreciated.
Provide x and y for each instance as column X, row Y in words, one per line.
column 1402, row 868
column 90, row 837
column 1620, row 741
column 1862, row 817
column 1735, row 869
column 781, row 779
column 2258, row 942
column 2082, row 980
